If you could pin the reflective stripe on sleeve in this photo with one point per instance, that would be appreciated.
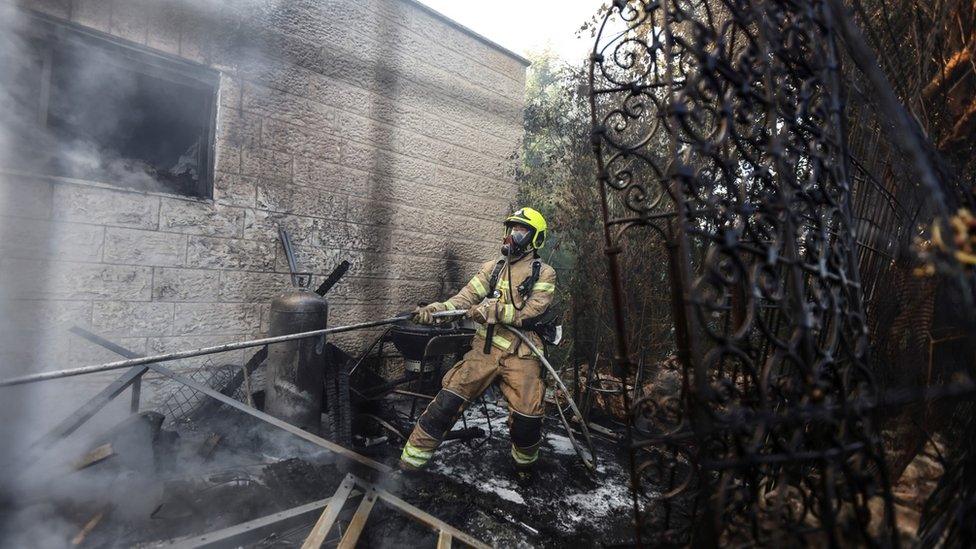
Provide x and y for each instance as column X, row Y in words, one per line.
column 543, row 287
column 450, row 306
column 479, row 288
column 508, row 313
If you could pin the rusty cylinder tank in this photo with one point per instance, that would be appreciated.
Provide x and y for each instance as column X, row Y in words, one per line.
column 294, row 382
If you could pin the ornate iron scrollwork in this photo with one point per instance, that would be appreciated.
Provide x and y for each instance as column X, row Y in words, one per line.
column 720, row 124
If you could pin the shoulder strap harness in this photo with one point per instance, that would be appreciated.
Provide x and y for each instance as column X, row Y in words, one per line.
column 493, row 279
column 525, row 288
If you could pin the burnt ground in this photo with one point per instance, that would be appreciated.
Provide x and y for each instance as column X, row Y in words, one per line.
column 186, row 486
column 472, row 486
column 161, row 484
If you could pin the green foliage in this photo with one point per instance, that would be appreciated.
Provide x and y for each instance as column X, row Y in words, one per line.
column 557, row 176
column 555, row 154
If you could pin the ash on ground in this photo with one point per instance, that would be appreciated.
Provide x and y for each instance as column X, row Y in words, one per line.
column 472, row 486
column 163, row 483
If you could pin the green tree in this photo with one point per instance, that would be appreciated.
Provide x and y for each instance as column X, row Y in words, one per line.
column 557, row 175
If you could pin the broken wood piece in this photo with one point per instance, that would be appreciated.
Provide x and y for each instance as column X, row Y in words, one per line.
column 328, row 517
column 446, row 533
column 89, row 526
column 100, row 453
column 962, row 129
column 355, row 528
column 950, row 72
column 210, row 445
column 432, row 522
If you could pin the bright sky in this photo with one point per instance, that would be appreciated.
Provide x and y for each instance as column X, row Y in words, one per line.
column 525, row 26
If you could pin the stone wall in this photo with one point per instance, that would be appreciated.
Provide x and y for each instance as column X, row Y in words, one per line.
column 374, row 131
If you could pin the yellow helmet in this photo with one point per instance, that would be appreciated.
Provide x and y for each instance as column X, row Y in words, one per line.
column 533, row 220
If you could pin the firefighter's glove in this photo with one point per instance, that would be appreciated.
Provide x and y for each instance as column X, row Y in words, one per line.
column 425, row 315
column 485, row 312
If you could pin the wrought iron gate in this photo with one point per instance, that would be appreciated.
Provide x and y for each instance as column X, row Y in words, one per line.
column 720, row 125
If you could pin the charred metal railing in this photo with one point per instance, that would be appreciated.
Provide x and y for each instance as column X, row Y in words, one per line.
column 720, row 124
column 920, row 299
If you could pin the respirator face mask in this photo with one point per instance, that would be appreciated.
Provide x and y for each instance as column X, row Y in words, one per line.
column 517, row 240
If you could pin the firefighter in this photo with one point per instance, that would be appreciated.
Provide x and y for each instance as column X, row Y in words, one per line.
column 512, row 291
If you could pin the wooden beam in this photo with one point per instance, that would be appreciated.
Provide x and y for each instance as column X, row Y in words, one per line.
column 953, row 69
column 321, row 529
column 225, row 399
column 252, row 530
column 443, row 540
column 96, row 455
column 355, row 528
column 425, row 518
column 87, row 529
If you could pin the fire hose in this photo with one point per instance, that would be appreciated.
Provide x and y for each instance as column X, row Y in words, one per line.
column 58, row 374
column 589, row 461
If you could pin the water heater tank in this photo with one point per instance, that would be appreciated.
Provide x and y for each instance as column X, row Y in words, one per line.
column 295, row 369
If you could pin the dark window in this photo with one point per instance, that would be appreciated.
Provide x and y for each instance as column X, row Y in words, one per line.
column 92, row 107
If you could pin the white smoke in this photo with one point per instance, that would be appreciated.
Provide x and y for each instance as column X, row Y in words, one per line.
column 36, row 487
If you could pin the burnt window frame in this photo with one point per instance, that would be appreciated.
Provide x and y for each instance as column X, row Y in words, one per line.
column 51, row 33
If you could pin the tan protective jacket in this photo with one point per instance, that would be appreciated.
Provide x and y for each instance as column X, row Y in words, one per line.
column 513, row 310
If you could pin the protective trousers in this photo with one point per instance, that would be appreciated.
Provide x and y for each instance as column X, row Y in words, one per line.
column 521, row 385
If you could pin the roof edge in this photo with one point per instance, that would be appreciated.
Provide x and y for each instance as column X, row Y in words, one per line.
column 479, row 37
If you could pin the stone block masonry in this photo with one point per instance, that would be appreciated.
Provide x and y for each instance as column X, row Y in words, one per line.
column 375, row 132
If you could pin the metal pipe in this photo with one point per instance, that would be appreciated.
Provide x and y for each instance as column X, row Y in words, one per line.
column 58, row 374
column 333, row 278
column 289, row 255
column 412, row 394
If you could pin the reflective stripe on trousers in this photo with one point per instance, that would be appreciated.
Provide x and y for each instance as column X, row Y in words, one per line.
column 415, row 456
column 496, row 340
column 525, row 457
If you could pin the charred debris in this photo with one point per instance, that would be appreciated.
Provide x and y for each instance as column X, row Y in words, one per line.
column 306, row 457
column 817, row 269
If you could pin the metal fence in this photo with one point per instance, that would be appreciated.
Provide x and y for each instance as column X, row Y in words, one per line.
column 726, row 127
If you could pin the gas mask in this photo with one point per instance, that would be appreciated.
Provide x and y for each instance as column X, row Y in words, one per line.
column 518, row 240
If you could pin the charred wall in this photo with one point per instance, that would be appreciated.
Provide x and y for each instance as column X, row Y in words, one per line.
column 375, row 132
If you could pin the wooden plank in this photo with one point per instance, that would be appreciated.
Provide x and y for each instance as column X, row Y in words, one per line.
column 101, row 453
column 443, row 540
column 358, row 521
column 429, row 520
column 253, row 530
column 321, row 529
column 89, row 526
